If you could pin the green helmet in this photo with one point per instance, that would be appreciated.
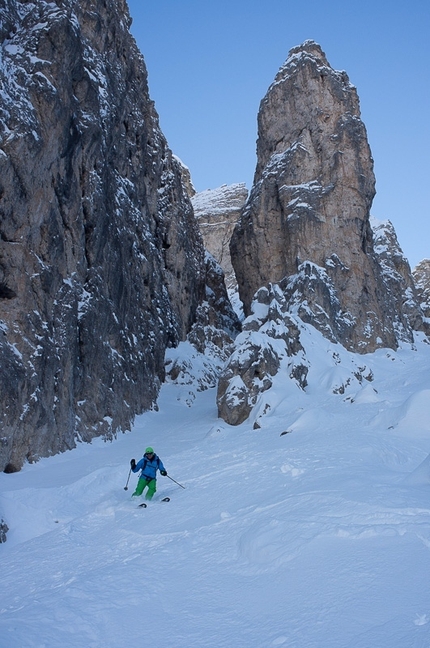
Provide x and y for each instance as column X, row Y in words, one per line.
column 149, row 450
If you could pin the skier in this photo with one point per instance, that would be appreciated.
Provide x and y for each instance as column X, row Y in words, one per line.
column 149, row 464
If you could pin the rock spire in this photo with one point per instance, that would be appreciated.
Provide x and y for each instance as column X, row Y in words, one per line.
column 307, row 217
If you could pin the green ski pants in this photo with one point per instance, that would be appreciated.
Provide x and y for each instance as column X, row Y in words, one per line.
column 142, row 484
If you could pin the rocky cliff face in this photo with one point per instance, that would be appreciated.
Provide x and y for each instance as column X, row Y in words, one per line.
column 272, row 343
column 397, row 281
column 421, row 276
column 217, row 212
column 186, row 178
column 305, row 249
column 101, row 262
column 307, row 218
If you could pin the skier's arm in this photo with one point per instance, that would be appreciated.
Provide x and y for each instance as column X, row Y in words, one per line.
column 138, row 466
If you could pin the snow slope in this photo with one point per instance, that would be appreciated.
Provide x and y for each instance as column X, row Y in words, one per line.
column 313, row 531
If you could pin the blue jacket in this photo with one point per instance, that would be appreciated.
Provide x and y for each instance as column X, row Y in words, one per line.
column 149, row 467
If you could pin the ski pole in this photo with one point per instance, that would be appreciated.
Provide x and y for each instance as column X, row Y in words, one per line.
column 173, row 480
column 128, row 479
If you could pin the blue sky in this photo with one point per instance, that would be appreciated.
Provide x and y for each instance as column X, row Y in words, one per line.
column 210, row 64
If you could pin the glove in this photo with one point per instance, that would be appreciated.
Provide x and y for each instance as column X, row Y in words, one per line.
column 133, row 464
column 163, row 472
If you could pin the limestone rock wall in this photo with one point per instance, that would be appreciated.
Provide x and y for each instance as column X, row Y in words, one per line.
column 398, row 285
column 101, row 261
column 217, row 212
column 421, row 276
column 306, row 221
column 186, row 178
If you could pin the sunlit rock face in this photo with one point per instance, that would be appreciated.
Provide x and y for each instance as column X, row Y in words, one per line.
column 101, row 261
column 217, row 212
column 305, row 250
column 306, row 222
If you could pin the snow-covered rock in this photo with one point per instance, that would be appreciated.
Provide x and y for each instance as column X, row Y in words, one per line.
column 401, row 295
column 210, row 340
column 3, row 530
column 272, row 357
column 269, row 343
column 421, row 276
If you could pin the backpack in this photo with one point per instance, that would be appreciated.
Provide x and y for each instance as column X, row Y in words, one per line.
column 145, row 463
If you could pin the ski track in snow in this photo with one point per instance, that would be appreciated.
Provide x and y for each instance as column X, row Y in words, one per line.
column 315, row 538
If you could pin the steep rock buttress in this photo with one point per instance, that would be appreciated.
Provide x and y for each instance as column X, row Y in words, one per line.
column 101, row 262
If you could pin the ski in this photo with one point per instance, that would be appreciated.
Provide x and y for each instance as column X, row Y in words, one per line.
column 144, row 504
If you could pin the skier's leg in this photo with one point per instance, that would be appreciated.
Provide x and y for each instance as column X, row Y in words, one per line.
column 152, row 487
column 139, row 488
